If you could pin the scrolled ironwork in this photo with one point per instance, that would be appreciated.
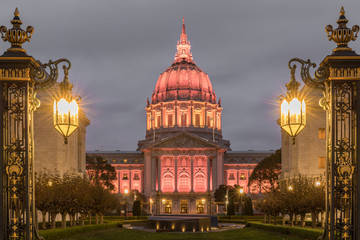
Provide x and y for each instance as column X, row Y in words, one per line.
column 320, row 76
column 44, row 79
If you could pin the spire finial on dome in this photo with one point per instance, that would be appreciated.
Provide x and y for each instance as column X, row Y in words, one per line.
column 183, row 27
column 183, row 47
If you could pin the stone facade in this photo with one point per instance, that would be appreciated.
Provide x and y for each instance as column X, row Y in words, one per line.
column 183, row 158
column 50, row 151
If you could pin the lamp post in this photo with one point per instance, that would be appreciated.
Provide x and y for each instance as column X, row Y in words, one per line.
column 339, row 78
column 126, row 203
column 151, row 206
column 21, row 76
column 241, row 191
column 226, row 200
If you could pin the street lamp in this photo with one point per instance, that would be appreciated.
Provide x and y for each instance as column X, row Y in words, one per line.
column 151, row 205
column 339, row 78
column 292, row 110
column 126, row 203
column 241, row 191
column 21, row 76
column 66, row 109
column 290, row 188
column 226, row 200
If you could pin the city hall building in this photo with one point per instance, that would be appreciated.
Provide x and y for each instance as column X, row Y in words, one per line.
column 183, row 158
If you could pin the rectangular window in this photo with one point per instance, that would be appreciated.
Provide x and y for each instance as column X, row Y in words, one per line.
column 158, row 121
column 321, row 162
column 321, row 133
column 170, row 120
column 231, row 177
column 125, row 176
column 183, row 206
column 242, row 176
column 197, row 120
column 183, row 120
column 136, row 176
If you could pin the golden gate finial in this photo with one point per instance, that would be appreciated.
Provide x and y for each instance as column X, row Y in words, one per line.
column 342, row 34
column 16, row 35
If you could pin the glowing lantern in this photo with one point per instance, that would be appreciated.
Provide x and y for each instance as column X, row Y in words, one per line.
column 66, row 117
column 293, row 116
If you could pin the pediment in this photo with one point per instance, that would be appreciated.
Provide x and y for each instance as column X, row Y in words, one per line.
column 184, row 140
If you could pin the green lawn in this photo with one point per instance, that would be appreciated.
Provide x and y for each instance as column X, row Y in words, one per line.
column 117, row 234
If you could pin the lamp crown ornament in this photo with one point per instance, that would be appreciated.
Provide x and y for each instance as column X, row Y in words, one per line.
column 293, row 85
column 342, row 35
column 16, row 36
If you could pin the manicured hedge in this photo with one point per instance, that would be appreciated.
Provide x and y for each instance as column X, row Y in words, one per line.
column 61, row 233
column 306, row 233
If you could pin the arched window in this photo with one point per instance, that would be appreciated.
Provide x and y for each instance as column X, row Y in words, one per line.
column 200, row 182
column 184, row 182
column 168, row 182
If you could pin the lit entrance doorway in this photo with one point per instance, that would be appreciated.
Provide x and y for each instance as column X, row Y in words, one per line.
column 183, row 206
column 200, row 206
column 167, row 206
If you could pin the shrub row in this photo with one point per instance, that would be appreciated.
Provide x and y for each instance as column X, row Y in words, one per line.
column 305, row 233
column 61, row 233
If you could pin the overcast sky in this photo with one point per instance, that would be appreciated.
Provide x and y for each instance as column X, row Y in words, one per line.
column 119, row 48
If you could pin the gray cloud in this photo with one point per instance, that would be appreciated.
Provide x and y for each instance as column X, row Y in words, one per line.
column 119, row 48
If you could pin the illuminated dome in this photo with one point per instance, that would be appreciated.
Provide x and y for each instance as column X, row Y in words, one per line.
column 183, row 80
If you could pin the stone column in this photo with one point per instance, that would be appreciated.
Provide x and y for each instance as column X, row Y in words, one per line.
column 147, row 174
column 208, row 175
column 176, row 175
column 214, row 173
column 130, row 180
column 176, row 114
column 219, row 168
column 192, row 175
column 142, row 180
column 152, row 175
column 237, row 177
column 159, row 175
column 118, row 177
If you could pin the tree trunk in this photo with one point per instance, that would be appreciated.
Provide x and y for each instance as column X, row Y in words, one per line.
column 83, row 217
column 264, row 218
column 74, row 219
column 275, row 219
column 323, row 219
column 63, row 220
column 101, row 218
column 53, row 220
column 313, row 219
column 291, row 219
column 283, row 218
column 268, row 218
column 302, row 219
column 90, row 219
column 73, row 223
column 43, row 224
column 97, row 218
